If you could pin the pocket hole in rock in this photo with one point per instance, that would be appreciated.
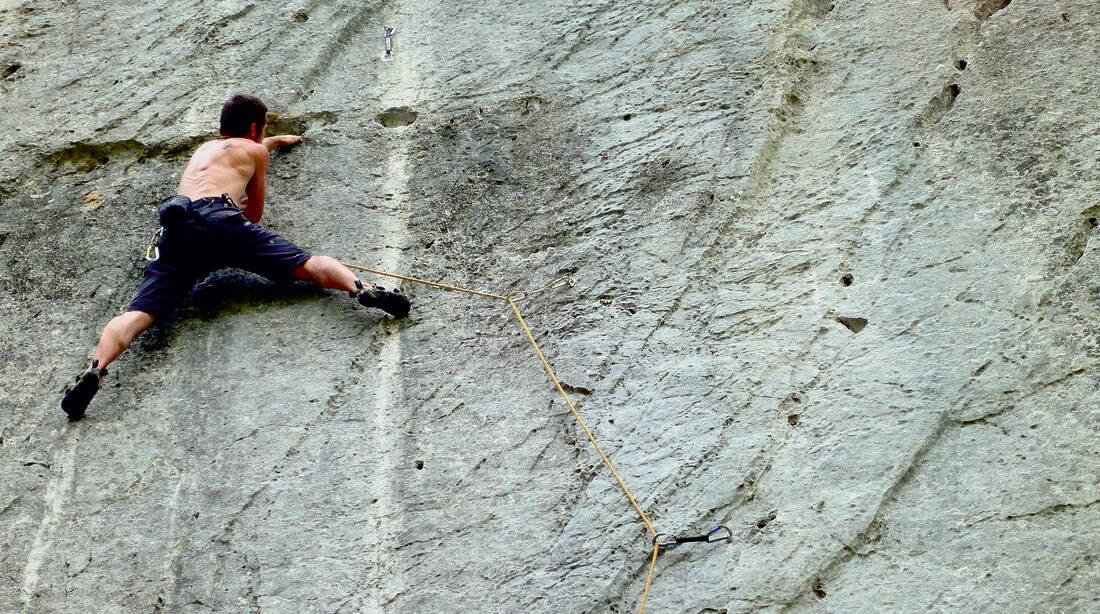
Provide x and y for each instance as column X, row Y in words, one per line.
column 952, row 92
column 853, row 324
column 396, row 117
column 763, row 522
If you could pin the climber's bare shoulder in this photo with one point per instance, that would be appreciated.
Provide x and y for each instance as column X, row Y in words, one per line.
column 222, row 166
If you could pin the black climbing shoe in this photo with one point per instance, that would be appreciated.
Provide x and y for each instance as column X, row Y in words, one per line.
column 390, row 301
column 77, row 398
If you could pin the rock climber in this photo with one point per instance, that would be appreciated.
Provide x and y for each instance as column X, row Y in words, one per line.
column 203, row 229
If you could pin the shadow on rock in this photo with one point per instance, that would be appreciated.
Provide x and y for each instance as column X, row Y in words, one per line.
column 226, row 292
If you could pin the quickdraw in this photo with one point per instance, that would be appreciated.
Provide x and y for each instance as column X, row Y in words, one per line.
column 720, row 533
column 387, row 43
column 557, row 283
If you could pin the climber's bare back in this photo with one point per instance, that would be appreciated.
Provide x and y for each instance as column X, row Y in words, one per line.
column 233, row 166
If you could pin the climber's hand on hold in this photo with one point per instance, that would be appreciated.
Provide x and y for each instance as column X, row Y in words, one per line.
column 282, row 140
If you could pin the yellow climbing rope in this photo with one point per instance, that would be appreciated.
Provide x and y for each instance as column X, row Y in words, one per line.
column 649, row 576
column 557, row 384
column 426, row 282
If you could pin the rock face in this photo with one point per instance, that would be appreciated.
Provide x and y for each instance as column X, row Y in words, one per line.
column 836, row 267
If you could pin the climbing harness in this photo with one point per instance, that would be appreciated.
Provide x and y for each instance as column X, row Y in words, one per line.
column 557, row 283
column 176, row 211
column 720, row 533
column 387, row 43
column 661, row 541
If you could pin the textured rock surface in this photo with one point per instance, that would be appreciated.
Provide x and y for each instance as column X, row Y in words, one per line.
column 837, row 289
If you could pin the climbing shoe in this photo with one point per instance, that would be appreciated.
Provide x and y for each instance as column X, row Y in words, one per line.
column 77, row 398
column 390, row 301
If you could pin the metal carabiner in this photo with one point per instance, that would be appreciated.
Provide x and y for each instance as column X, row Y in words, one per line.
column 152, row 252
column 668, row 541
column 727, row 537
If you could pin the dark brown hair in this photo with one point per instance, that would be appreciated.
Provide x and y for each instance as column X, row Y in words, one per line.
column 240, row 112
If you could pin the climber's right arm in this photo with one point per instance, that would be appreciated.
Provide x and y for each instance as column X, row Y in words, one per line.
column 257, row 185
column 282, row 140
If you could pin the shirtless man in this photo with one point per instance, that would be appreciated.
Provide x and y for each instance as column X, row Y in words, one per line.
column 204, row 230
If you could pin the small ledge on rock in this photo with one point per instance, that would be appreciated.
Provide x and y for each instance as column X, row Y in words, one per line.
column 576, row 389
column 986, row 8
column 766, row 520
column 853, row 324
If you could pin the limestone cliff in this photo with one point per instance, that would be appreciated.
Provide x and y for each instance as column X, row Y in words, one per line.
column 836, row 265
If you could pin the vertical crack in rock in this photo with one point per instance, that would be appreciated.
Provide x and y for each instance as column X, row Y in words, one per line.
column 797, row 72
column 400, row 87
column 58, row 490
column 355, row 25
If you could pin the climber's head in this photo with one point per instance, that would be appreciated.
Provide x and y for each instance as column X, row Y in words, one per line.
column 244, row 116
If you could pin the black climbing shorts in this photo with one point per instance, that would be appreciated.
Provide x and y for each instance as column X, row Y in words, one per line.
column 215, row 236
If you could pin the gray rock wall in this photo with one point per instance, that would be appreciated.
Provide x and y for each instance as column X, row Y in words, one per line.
column 836, row 289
